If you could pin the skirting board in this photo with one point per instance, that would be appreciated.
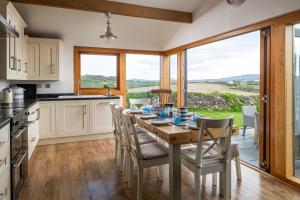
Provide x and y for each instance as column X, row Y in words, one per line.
column 76, row 139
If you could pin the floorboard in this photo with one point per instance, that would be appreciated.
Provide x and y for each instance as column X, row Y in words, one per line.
column 87, row 171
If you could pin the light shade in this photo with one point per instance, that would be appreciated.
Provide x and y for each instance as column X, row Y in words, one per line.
column 108, row 35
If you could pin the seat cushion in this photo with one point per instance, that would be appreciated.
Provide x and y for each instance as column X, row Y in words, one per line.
column 145, row 138
column 154, row 150
column 211, row 157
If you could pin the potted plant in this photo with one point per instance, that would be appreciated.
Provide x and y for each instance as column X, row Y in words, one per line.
column 108, row 85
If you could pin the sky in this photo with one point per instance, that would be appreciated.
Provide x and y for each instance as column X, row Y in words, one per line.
column 230, row 57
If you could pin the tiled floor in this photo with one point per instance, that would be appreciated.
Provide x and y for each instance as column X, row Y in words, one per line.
column 247, row 147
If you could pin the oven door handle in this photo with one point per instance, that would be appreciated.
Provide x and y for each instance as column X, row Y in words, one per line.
column 20, row 160
column 19, row 133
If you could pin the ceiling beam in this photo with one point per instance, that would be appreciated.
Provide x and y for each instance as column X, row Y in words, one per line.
column 116, row 8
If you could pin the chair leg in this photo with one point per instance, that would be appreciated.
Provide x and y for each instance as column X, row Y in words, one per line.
column 121, row 158
column 227, row 181
column 203, row 180
column 140, row 184
column 159, row 173
column 130, row 173
column 238, row 168
column 214, row 179
column 116, row 149
column 244, row 131
column 197, row 185
column 221, row 183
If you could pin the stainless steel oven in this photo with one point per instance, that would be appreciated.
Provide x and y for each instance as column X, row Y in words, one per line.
column 19, row 153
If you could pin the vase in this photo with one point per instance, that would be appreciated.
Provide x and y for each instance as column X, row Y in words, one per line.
column 109, row 92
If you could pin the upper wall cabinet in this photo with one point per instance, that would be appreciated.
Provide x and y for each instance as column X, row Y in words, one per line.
column 12, row 56
column 43, row 58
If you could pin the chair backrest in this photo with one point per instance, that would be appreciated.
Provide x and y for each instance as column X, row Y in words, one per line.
column 164, row 95
column 249, row 110
column 131, row 136
column 112, row 108
column 134, row 102
column 118, row 116
column 220, row 139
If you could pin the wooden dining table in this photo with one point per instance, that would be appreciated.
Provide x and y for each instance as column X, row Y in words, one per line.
column 175, row 136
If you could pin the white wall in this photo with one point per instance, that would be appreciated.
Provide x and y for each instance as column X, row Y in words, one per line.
column 80, row 28
column 223, row 17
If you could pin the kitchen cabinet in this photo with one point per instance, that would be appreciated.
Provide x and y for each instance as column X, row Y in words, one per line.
column 74, row 116
column 48, row 120
column 43, row 58
column 33, row 128
column 33, row 61
column 101, row 117
column 12, row 49
column 5, row 162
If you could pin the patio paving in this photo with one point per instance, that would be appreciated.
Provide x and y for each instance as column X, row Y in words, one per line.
column 248, row 149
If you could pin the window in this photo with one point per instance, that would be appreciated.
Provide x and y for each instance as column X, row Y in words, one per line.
column 173, row 78
column 142, row 75
column 95, row 69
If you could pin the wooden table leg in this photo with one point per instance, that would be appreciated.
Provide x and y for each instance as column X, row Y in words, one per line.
column 175, row 172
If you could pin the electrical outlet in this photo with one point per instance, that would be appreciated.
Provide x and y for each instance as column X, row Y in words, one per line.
column 38, row 86
column 47, row 85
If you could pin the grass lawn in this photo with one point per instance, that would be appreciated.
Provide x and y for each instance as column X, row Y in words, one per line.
column 238, row 117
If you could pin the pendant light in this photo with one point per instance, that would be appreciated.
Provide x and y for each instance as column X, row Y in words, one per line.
column 235, row 2
column 108, row 35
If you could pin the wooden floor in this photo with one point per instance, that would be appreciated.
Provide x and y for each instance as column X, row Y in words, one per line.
column 87, row 171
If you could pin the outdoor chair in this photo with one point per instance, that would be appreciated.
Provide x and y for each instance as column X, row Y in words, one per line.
column 248, row 117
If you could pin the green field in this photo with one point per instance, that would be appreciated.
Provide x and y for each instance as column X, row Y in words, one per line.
column 237, row 116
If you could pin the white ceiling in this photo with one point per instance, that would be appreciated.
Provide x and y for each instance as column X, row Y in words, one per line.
column 179, row 5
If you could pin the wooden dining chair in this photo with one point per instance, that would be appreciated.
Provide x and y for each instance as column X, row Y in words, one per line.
column 213, row 157
column 117, row 133
column 235, row 155
column 143, row 155
column 164, row 95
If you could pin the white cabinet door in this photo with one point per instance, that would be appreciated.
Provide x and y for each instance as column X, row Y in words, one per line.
column 49, row 61
column 33, row 61
column 101, row 117
column 33, row 128
column 47, row 127
column 73, row 118
column 12, row 65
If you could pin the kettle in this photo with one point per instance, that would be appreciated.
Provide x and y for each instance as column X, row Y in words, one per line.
column 6, row 96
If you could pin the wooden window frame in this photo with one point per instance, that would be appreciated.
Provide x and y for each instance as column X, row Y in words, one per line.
column 78, row 51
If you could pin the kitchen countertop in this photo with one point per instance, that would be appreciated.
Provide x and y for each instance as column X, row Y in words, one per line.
column 7, row 113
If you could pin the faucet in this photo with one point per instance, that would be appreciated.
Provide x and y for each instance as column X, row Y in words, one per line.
column 78, row 87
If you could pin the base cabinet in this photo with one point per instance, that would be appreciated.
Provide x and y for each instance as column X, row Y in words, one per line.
column 74, row 117
column 48, row 120
column 33, row 128
column 5, row 187
column 65, row 119
column 101, row 117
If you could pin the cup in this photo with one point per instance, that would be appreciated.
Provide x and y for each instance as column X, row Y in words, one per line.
column 177, row 120
column 162, row 114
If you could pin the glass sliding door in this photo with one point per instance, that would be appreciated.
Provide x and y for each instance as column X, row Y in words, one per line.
column 223, row 79
column 296, row 77
column 173, row 78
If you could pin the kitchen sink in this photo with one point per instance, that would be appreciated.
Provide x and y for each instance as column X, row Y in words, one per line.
column 81, row 96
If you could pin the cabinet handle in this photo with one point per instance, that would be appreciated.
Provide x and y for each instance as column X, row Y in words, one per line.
column 52, row 68
column 33, row 139
column 39, row 114
column 84, row 110
column 26, row 68
column 20, row 67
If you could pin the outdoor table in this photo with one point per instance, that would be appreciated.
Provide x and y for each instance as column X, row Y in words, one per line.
column 175, row 136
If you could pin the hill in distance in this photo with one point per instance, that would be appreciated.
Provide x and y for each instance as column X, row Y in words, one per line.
column 245, row 77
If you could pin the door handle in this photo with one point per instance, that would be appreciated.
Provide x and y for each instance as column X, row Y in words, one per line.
column 19, row 133
column 16, row 165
